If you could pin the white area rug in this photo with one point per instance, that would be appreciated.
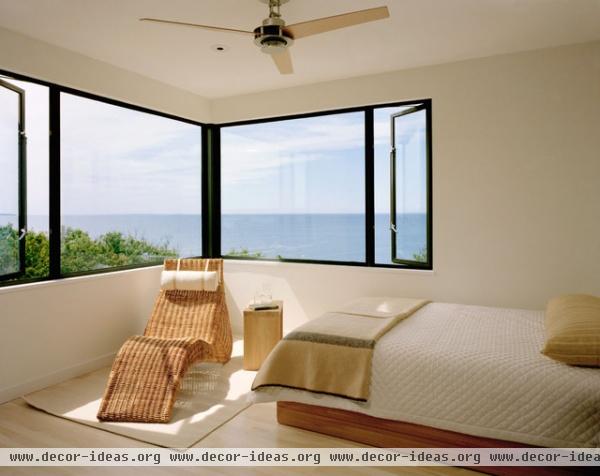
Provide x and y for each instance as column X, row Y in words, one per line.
column 211, row 394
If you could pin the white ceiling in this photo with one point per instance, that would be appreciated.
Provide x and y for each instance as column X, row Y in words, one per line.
column 419, row 32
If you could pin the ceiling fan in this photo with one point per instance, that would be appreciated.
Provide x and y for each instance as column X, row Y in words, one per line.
column 274, row 37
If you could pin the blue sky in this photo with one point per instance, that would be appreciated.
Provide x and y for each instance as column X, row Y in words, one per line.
column 118, row 161
column 309, row 165
column 316, row 165
column 115, row 160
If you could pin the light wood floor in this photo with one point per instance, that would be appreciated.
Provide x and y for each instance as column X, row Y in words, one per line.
column 23, row 426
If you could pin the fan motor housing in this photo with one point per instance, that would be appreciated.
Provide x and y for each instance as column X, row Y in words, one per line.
column 272, row 39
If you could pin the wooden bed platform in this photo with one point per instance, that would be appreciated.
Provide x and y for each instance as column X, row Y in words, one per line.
column 384, row 433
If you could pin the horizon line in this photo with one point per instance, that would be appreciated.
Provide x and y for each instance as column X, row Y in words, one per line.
column 199, row 214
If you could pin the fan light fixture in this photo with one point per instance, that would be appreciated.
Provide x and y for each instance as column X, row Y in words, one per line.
column 274, row 37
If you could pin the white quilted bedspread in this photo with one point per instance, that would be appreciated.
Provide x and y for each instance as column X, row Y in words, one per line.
column 475, row 370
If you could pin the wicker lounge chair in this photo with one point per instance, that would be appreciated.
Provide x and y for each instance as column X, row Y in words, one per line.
column 185, row 327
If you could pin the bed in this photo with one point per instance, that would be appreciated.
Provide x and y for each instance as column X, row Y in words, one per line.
column 458, row 375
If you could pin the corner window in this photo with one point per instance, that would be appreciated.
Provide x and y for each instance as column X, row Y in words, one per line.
column 297, row 188
column 347, row 187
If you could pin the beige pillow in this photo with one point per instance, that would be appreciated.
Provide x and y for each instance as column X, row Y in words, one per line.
column 573, row 330
column 189, row 280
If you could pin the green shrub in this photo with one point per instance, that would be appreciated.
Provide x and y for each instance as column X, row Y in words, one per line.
column 9, row 249
column 37, row 255
column 79, row 252
column 244, row 253
column 421, row 256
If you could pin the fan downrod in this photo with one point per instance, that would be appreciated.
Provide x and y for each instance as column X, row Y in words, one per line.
column 271, row 37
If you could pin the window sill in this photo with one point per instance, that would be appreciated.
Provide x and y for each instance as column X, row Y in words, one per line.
column 229, row 263
column 345, row 267
column 15, row 288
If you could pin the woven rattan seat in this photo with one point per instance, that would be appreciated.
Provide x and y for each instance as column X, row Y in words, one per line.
column 185, row 327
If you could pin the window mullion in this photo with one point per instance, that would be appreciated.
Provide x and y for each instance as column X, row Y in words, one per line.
column 215, row 196
column 54, row 187
column 206, row 226
column 369, row 188
column 211, row 192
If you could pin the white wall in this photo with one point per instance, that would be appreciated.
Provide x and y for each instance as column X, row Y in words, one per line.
column 516, row 182
column 516, row 165
column 53, row 331
column 57, row 330
column 40, row 60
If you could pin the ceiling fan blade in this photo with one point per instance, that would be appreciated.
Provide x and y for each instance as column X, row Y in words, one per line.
column 206, row 27
column 283, row 61
column 322, row 25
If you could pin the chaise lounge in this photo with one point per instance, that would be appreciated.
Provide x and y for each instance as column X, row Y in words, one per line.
column 186, row 326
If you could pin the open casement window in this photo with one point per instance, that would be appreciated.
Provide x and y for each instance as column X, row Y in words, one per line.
column 13, row 208
column 409, row 187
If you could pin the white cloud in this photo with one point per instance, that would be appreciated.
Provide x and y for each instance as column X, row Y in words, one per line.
column 116, row 160
column 252, row 152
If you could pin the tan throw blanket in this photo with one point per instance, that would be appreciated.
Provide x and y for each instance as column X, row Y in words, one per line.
column 332, row 354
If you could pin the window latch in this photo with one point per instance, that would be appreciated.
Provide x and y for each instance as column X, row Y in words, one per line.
column 22, row 234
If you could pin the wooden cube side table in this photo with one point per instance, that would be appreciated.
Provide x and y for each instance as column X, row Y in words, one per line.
column 262, row 331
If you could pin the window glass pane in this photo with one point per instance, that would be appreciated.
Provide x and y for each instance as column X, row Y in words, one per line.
column 9, row 181
column 37, row 130
column 130, row 186
column 294, row 189
column 411, row 186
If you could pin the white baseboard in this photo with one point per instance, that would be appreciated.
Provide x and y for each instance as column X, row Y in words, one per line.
column 29, row 386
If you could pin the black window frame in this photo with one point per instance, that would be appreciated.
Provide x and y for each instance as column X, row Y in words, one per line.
column 54, row 199
column 21, row 178
column 369, row 161
column 56, row 237
column 211, row 181
column 393, row 189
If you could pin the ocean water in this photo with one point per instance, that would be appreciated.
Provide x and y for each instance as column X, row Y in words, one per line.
column 335, row 237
